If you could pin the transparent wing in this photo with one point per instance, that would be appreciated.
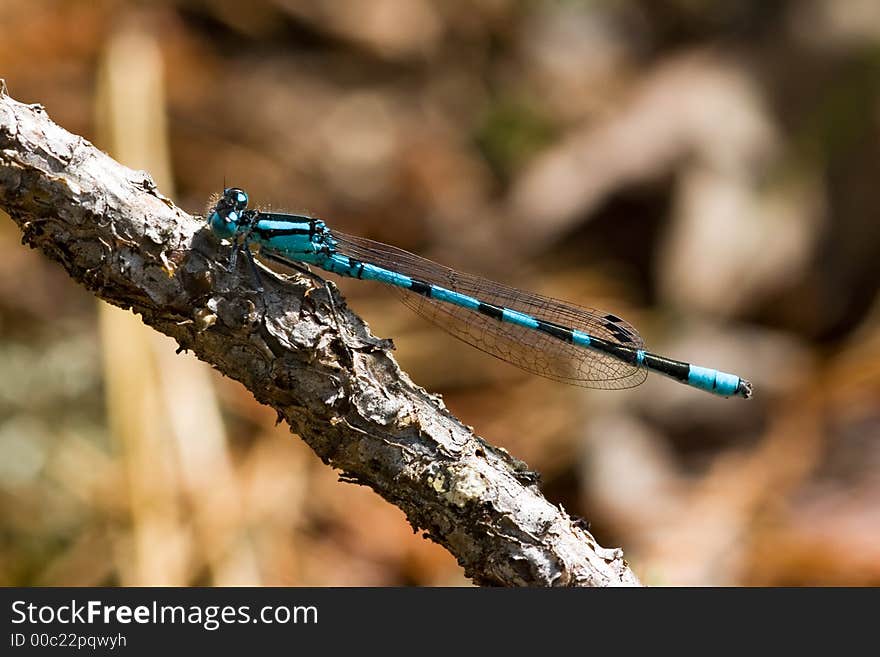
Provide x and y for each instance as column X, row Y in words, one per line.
column 530, row 350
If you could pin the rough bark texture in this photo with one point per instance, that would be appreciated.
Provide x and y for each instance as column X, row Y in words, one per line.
column 335, row 385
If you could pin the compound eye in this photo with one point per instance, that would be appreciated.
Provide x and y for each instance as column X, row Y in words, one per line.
column 235, row 197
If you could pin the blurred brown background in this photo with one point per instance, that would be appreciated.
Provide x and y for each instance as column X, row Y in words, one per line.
column 706, row 170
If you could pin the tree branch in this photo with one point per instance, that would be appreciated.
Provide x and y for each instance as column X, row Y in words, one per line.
column 297, row 350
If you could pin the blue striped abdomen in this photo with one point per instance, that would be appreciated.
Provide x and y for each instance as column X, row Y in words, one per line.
column 707, row 379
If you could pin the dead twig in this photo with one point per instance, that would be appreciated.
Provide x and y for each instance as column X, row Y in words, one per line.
column 336, row 386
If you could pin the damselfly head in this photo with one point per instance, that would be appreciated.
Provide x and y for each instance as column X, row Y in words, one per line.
column 235, row 198
column 226, row 215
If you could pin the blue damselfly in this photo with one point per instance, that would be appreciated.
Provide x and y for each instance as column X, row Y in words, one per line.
column 545, row 336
